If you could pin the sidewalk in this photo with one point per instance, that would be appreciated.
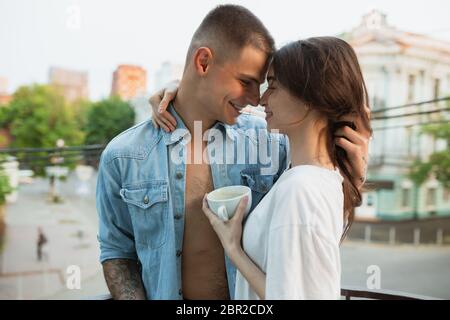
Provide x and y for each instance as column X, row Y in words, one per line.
column 422, row 270
column 431, row 231
column 22, row 276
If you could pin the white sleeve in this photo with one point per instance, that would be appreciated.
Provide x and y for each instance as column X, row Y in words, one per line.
column 301, row 265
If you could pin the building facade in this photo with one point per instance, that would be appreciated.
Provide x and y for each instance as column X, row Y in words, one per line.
column 129, row 82
column 402, row 68
column 168, row 71
column 5, row 98
column 73, row 84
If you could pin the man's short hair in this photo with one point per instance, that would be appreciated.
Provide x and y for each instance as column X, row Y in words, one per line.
column 229, row 28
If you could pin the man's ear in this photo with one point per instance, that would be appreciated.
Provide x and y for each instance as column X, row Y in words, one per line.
column 202, row 60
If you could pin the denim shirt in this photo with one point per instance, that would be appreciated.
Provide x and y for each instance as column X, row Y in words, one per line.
column 141, row 188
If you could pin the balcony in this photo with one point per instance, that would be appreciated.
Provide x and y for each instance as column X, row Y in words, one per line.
column 347, row 293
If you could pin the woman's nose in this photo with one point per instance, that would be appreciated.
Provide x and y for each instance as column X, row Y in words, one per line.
column 263, row 100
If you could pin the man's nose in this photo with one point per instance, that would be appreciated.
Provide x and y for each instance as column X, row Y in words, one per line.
column 253, row 98
column 254, row 101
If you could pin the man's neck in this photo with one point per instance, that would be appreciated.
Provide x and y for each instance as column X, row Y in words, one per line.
column 189, row 108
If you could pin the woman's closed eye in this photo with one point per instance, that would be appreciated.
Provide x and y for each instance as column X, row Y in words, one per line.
column 271, row 88
column 245, row 83
column 271, row 85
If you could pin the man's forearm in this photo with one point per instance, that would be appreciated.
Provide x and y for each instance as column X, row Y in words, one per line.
column 123, row 278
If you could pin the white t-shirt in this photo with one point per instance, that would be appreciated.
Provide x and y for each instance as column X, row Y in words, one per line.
column 293, row 236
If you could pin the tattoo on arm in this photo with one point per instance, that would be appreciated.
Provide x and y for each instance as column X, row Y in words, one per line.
column 123, row 278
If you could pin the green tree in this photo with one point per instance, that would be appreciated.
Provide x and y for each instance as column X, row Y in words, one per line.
column 438, row 164
column 5, row 187
column 38, row 116
column 106, row 119
column 81, row 110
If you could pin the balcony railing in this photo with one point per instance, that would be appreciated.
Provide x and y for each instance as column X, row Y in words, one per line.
column 360, row 293
column 348, row 293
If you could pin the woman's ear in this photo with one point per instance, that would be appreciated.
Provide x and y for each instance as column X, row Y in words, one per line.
column 202, row 60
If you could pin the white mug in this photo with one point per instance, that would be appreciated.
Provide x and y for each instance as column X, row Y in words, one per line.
column 224, row 201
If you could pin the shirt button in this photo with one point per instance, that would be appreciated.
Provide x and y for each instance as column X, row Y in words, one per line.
column 178, row 253
column 146, row 199
column 177, row 217
column 179, row 175
column 180, row 292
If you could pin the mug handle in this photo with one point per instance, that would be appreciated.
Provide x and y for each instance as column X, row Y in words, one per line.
column 222, row 213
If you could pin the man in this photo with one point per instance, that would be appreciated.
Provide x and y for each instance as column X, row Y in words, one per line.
column 155, row 241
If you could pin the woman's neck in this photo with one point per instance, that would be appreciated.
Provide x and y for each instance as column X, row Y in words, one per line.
column 307, row 147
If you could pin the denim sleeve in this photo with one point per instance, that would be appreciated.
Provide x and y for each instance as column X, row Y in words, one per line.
column 115, row 228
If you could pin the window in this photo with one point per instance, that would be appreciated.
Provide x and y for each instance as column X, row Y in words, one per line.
column 378, row 103
column 436, row 87
column 411, row 85
column 370, row 200
column 431, row 197
column 406, row 195
column 446, row 194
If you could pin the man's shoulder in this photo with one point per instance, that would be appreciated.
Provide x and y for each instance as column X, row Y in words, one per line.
column 135, row 142
column 250, row 121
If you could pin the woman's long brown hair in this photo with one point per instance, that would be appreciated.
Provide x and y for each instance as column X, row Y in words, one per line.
column 324, row 73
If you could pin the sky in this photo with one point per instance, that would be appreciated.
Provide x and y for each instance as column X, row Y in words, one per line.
column 98, row 35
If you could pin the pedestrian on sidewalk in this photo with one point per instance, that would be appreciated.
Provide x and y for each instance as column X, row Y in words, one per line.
column 41, row 241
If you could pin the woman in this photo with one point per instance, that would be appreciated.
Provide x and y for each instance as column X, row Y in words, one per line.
column 290, row 244
column 290, row 241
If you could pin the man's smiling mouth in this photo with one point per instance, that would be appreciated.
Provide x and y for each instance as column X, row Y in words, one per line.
column 236, row 107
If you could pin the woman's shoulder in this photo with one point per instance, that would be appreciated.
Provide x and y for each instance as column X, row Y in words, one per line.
column 305, row 194
column 308, row 179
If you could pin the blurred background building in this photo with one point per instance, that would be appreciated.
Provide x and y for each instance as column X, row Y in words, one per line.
column 129, row 81
column 168, row 71
column 5, row 98
column 402, row 68
column 74, row 84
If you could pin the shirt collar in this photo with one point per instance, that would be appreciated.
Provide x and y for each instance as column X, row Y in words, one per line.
column 170, row 138
column 230, row 131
